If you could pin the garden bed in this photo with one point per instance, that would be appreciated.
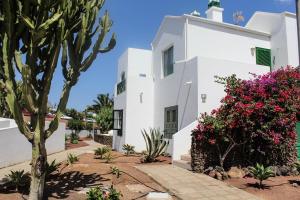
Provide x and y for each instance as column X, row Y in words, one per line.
column 80, row 143
column 276, row 188
column 72, row 182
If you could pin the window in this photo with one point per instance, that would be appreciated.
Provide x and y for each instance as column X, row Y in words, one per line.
column 123, row 76
column 121, row 87
column 171, row 121
column 263, row 56
column 118, row 121
column 168, row 61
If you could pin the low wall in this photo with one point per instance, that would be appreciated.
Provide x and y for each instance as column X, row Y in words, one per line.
column 82, row 134
column 104, row 139
column 15, row 148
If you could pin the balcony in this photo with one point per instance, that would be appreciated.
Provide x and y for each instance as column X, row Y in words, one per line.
column 121, row 87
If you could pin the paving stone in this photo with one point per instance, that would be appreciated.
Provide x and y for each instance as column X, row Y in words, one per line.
column 190, row 186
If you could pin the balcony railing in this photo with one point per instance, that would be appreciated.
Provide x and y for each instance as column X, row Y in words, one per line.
column 121, row 87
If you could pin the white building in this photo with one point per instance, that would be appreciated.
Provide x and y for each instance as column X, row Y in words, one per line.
column 168, row 86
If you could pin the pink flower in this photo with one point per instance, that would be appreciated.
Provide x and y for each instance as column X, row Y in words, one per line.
column 212, row 141
column 278, row 109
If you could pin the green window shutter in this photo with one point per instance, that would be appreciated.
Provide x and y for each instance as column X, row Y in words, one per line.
column 263, row 56
column 298, row 139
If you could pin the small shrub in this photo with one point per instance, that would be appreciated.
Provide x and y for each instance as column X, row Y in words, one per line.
column 155, row 143
column 108, row 157
column 74, row 136
column 95, row 194
column 261, row 173
column 52, row 167
column 74, row 141
column 113, row 194
column 72, row 159
column 101, row 151
column 101, row 194
column 116, row 171
column 18, row 179
column 129, row 149
column 297, row 166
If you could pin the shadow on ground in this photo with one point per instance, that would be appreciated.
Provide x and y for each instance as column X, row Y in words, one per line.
column 59, row 186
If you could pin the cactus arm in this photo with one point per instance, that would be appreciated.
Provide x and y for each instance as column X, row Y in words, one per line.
column 64, row 60
column 60, row 109
column 27, row 90
column 105, row 28
column 10, row 86
column 47, row 77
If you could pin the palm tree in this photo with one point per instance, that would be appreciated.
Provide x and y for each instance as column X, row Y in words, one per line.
column 298, row 26
column 102, row 101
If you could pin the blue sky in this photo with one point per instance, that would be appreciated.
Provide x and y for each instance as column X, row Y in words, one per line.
column 135, row 23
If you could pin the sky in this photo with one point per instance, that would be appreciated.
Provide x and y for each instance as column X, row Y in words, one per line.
column 135, row 24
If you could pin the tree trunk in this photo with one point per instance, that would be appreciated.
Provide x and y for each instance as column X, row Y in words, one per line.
column 298, row 26
column 38, row 164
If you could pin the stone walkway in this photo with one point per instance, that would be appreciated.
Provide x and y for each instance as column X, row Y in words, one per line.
column 190, row 186
column 59, row 157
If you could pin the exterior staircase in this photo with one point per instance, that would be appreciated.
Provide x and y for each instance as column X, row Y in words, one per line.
column 184, row 162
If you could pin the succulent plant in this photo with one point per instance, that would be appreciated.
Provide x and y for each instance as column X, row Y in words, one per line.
column 34, row 36
column 129, row 149
column 155, row 145
column 101, row 151
column 261, row 173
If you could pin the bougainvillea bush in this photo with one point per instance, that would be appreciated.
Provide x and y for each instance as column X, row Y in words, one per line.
column 255, row 122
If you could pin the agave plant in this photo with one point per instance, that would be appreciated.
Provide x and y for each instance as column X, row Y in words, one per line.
column 155, row 145
column 129, row 149
column 18, row 179
column 101, row 151
column 108, row 157
column 72, row 159
column 52, row 167
column 261, row 173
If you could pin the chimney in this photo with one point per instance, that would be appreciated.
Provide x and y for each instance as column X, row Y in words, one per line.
column 215, row 12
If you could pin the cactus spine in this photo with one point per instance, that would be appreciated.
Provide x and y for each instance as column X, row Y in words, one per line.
column 33, row 34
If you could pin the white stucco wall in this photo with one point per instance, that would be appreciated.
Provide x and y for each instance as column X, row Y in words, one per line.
column 137, row 101
column 208, row 68
column 15, row 148
column 211, row 41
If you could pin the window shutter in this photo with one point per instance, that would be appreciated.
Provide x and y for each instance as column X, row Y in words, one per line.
column 263, row 56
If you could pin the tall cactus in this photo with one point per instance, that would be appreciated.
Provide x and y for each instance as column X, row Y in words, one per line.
column 33, row 35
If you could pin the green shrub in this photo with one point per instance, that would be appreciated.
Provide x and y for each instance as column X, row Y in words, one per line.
column 74, row 142
column 75, row 125
column 155, row 144
column 105, row 119
column 261, row 173
column 129, row 149
column 116, row 171
column 72, row 159
column 108, row 157
column 52, row 167
column 101, row 194
column 18, row 179
column 101, row 151
column 297, row 166
column 74, row 136
column 95, row 194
